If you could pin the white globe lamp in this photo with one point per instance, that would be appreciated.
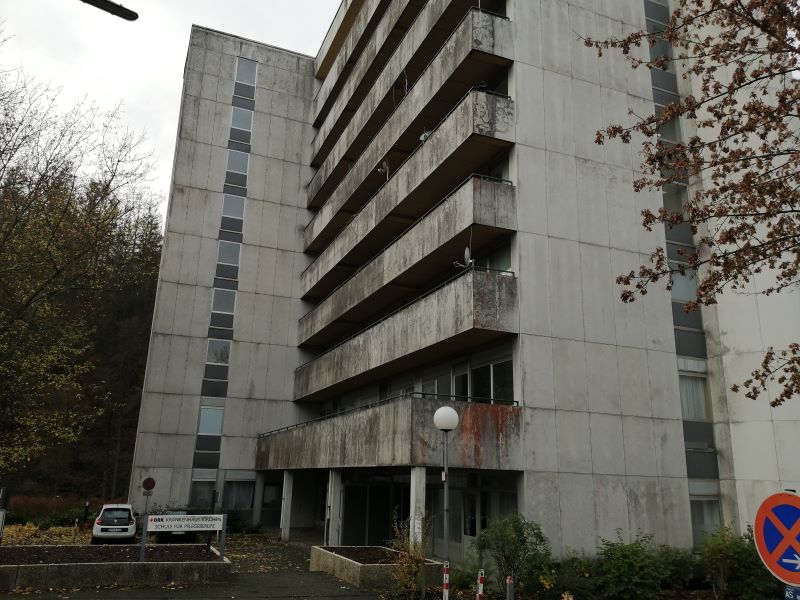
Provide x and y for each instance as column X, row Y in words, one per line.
column 445, row 418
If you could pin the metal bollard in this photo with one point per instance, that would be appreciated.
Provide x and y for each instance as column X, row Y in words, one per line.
column 446, row 581
column 481, row 581
column 509, row 588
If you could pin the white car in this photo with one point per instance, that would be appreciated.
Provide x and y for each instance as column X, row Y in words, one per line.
column 115, row 522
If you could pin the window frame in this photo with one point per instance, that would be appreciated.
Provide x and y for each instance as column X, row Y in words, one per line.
column 239, row 60
column 208, row 351
column 228, row 168
column 238, row 252
column 223, row 291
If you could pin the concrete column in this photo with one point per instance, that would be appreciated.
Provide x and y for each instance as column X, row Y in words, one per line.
column 286, row 505
column 333, row 510
column 258, row 498
column 417, row 505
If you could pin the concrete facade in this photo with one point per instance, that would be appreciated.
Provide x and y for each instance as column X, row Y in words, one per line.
column 423, row 128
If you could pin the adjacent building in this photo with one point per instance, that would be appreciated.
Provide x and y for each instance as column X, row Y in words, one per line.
column 419, row 216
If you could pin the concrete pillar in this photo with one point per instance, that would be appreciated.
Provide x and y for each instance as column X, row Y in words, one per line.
column 333, row 509
column 286, row 505
column 417, row 505
column 258, row 498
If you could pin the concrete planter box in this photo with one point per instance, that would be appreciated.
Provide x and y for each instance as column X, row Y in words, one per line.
column 365, row 576
column 90, row 575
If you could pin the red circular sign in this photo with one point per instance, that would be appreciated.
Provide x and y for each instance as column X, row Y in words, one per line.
column 149, row 483
column 776, row 530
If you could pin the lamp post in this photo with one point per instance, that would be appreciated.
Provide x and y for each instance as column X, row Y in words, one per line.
column 446, row 419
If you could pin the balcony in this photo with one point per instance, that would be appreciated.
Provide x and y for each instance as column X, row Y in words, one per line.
column 477, row 214
column 472, row 309
column 379, row 27
column 476, row 130
column 411, row 96
column 396, row 432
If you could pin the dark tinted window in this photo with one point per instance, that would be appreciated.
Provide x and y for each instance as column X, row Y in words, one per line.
column 116, row 513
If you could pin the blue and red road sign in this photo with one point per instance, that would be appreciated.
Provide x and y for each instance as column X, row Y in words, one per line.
column 776, row 530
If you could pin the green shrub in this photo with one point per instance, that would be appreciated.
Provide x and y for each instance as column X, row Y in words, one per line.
column 464, row 575
column 574, row 574
column 676, row 567
column 518, row 548
column 733, row 567
column 628, row 571
column 409, row 576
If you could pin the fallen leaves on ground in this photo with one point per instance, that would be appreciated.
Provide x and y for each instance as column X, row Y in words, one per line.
column 261, row 553
column 30, row 535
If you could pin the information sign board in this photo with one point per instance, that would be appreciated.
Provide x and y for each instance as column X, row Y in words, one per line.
column 184, row 523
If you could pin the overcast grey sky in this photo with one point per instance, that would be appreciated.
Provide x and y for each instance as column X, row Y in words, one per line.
column 87, row 52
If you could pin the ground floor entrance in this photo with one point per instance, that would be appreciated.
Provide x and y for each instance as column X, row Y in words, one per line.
column 355, row 507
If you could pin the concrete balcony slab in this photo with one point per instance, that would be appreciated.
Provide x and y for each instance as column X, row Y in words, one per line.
column 399, row 432
column 367, row 47
column 347, row 26
column 472, row 309
column 478, row 213
column 390, row 121
column 480, row 127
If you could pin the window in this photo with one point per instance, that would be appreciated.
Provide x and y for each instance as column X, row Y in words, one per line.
column 494, row 381
column 437, row 385
column 202, row 494
column 694, row 397
column 684, row 285
column 461, row 384
column 482, row 382
column 238, row 161
column 233, row 206
column 242, row 119
column 224, row 301
column 238, row 495
column 219, row 352
column 210, row 421
column 503, row 381
column 246, row 71
column 228, row 253
column 705, row 517
column 498, row 259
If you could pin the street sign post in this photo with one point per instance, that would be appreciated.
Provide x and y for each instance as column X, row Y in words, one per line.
column 2, row 522
column 776, row 529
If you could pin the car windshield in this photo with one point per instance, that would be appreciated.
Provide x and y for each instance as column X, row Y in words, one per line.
column 116, row 513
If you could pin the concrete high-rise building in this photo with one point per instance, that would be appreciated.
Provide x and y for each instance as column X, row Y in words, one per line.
column 419, row 216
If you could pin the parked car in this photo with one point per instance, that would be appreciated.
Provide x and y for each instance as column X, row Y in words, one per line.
column 176, row 537
column 115, row 522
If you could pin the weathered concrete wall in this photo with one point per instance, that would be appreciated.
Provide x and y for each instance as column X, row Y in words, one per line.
column 477, row 32
column 400, row 432
column 264, row 347
column 479, row 114
column 364, row 65
column 603, row 432
column 477, row 202
column 474, row 302
column 122, row 574
column 377, row 577
column 347, row 25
